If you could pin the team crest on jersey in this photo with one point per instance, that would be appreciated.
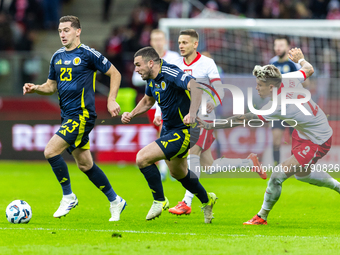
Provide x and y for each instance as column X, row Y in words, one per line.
column 67, row 62
column 77, row 61
column 286, row 68
column 189, row 71
column 163, row 85
column 157, row 86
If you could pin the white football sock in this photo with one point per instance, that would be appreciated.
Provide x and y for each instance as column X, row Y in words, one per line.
column 69, row 196
column 116, row 201
column 321, row 179
column 195, row 166
column 273, row 192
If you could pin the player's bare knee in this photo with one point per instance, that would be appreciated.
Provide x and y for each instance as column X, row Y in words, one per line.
column 84, row 166
column 48, row 153
column 141, row 160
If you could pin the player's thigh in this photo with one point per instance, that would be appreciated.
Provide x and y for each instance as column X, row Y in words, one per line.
column 195, row 150
column 149, row 155
column 178, row 167
column 206, row 158
column 55, row 147
column 83, row 159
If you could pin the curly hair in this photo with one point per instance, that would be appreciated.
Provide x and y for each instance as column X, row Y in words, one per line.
column 269, row 74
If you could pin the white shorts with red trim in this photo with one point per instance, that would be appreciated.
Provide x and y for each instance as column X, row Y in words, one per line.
column 307, row 152
column 206, row 138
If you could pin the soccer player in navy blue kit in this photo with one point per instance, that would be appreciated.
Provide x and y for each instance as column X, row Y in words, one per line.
column 72, row 74
column 285, row 65
column 171, row 87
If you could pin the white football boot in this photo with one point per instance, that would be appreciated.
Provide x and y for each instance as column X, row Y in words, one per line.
column 116, row 208
column 157, row 208
column 65, row 206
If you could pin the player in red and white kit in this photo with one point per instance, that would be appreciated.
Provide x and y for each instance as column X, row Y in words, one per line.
column 205, row 71
column 158, row 42
column 311, row 139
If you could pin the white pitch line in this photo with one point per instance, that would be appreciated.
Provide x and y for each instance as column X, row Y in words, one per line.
column 164, row 233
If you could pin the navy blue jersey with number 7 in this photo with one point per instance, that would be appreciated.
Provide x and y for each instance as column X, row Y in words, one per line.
column 75, row 73
column 169, row 89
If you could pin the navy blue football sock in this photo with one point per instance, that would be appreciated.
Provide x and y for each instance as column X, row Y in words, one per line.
column 60, row 170
column 153, row 177
column 276, row 155
column 98, row 177
column 191, row 183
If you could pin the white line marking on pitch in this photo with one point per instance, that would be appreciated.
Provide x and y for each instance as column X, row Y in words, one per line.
column 162, row 233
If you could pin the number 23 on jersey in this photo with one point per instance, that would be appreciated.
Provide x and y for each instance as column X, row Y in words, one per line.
column 66, row 74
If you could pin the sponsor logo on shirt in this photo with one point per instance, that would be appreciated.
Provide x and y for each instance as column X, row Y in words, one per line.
column 67, row 62
column 157, row 86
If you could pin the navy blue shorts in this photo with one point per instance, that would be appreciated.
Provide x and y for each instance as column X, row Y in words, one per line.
column 75, row 131
column 176, row 143
column 277, row 124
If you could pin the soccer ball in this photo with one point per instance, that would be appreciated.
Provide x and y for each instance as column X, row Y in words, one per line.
column 18, row 211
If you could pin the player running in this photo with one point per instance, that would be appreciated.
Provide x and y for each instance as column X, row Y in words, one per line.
column 158, row 42
column 285, row 65
column 311, row 139
column 72, row 74
column 170, row 86
column 205, row 71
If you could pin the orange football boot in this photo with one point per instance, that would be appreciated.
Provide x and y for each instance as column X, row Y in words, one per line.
column 256, row 220
column 180, row 208
column 257, row 167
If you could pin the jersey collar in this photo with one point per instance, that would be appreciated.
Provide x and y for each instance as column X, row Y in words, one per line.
column 195, row 60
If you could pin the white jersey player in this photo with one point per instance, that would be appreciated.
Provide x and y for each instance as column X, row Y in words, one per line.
column 205, row 71
column 311, row 139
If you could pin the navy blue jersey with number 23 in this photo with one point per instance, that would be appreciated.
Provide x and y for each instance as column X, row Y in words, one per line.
column 75, row 73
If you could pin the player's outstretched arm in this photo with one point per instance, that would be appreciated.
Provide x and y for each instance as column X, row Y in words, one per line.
column 115, row 78
column 48, row 88
column 296, row 55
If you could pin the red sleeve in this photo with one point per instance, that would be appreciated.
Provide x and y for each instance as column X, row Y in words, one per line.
column 261, row 118
column 215, row 79
column 304, row 74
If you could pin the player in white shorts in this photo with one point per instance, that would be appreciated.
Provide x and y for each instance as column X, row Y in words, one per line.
column 311, row 139
column 158, row 42
column 205, row 71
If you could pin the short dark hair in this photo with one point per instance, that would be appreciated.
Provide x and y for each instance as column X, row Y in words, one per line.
column 148, row 53
column 191, row 32
column 73, row 19
column 283, row 37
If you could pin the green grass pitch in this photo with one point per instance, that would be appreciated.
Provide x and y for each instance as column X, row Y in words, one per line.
column 304, row 221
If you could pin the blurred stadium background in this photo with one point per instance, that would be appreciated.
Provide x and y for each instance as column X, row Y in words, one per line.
column 237, row 33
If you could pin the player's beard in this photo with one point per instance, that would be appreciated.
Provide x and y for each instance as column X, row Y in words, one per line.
column 282, row 55
column 147, row 75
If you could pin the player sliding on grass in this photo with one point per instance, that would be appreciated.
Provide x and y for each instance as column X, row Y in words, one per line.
column 205, row 71
column 311, row 139
column 72, row 74
column 171, row 87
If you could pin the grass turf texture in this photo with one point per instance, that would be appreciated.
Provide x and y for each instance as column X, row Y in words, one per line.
column 304, row 221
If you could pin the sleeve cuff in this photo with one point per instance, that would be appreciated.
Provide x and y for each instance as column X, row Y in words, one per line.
column 304, row 74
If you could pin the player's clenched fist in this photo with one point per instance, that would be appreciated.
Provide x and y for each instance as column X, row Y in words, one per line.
column 113, row 108
column 28, row 88
column 126, row 117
